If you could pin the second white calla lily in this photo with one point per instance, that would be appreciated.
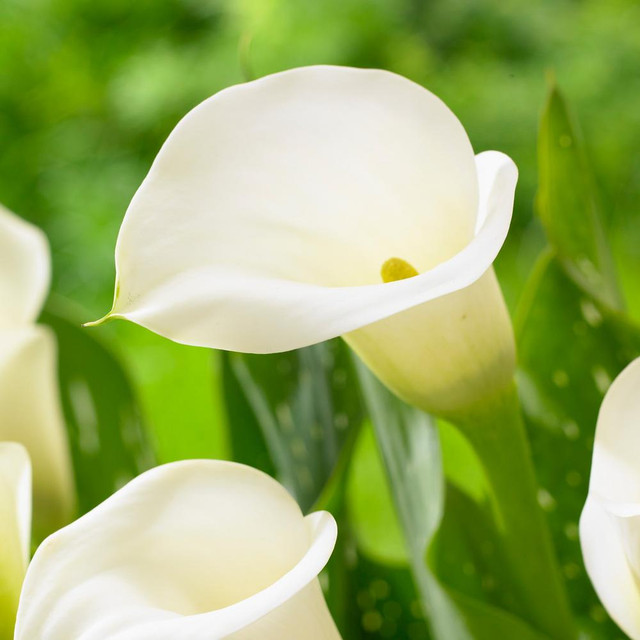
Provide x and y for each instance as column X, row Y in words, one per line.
column 197, row 550
column 294, row 208
column 30, row 411
column 610, row 521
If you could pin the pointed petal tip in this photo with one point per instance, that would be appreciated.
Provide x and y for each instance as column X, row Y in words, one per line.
column 96, row 323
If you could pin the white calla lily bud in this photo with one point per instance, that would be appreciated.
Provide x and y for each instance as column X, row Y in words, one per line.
column 30, row 411
column 276, row 210
column 200, row 549
column 15, row 530
column 610, row 521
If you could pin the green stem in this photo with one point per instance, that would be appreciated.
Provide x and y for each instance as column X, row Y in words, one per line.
column 496, row 431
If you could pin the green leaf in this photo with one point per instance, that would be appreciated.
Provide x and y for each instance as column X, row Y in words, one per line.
column 370, row 505
column 108, row 439
column 570, row 349
column 574, row 338
column 299, row 408
column 568, row 207
column 368, row 597
column 409, row 444
column 174, row 383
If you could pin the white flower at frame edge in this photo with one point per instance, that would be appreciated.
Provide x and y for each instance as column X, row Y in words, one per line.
column 610, row 521
column 272, row 208
column 30, row 411
column 197, row 550
column 15, row 529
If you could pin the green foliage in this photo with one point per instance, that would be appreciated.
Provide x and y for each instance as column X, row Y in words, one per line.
column 410, row 447
column 573, row 341
column 299, row 407
column 179, row 392
column 570, row 351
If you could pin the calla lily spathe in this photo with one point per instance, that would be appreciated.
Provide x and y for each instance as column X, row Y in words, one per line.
column 610, row 521
column 272, row 208
column 15, row 530
column 195, row 550
column 30, row 411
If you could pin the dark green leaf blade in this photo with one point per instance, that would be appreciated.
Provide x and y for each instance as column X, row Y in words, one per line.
column 292, row 413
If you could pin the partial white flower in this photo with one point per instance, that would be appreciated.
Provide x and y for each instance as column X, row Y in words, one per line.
column 15, row 530
column 25, row 274
column 30, row 411
column 276, row 209
column 610, row 521
column 196, row 550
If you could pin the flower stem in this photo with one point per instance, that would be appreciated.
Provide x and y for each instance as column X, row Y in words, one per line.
column 496, row 432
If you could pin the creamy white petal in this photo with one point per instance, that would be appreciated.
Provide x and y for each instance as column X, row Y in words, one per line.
column 30, row 413
column 24, row 270
column 615, row 472
column 194, row 550
column 610, row 521
column 267, row 215
column 603, row 549
column 446, row 355
column 15, row 529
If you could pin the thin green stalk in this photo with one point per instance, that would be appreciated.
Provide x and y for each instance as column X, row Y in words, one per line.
column 496, row 432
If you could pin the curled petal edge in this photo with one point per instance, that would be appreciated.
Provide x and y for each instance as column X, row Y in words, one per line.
column 219, row 309
column 607, row 564
column 226, row 620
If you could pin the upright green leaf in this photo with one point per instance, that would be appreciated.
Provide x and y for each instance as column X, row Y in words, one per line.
column 410, row 448
column 300, row 407
column 108, row 440
column 570, row 349
column 377, row 562
column 573, row 340
column 568, row 206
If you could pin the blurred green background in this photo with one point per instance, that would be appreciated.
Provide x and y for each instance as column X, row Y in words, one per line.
column 91, row 88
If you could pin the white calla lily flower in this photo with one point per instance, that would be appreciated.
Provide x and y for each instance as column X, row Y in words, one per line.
column 30, row 411
column 296, row 208
column 199, row 549
column 610, row 521
column 15, row 530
